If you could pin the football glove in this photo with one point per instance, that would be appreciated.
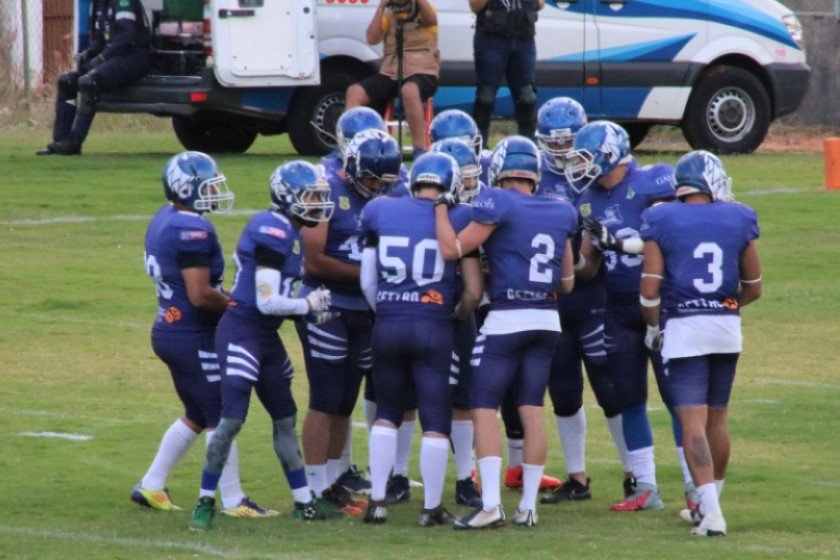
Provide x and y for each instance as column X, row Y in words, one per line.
column 449, row 199
column 319, row 300
column 602, row 238
column 320, row 317
column 653, row 338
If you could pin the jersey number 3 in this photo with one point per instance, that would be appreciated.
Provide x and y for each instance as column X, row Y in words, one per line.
column 714, row 254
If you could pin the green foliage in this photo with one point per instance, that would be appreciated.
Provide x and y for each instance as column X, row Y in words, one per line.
column 75, row 311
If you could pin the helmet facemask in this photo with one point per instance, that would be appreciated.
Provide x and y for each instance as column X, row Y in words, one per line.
column 214, row 196
column 580, row 169
column 313, row 205
column 470, row 183
column 558, row 144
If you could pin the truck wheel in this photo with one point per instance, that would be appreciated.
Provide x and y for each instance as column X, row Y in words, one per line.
column 314, row 112
column 637, row 131
column 728, row 112
column 215, row 133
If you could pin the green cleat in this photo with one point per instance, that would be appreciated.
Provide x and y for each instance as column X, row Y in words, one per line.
column 317, row 509
column 202, row 517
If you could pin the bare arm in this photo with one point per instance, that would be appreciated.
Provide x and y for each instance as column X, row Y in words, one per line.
column 473, row 278
column 199, row 291
column 478, row 5
column 567, row 283
column 750, row 265
column 375, row 33
column 426, row 13
column 317, row 263
column 541, row 4
column 652, row 271
column 469, row 239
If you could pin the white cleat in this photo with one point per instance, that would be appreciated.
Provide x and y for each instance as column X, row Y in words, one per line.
column 480, row 519
column 712, row 525
column 527, row 518
column 691, row 516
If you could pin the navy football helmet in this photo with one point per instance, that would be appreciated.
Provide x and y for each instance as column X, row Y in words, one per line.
column 558, row 120
column 599, row 147
column 454, row 123
column 515, row 157
column 194, row 180
column 298, row 189
column 702, row 172
column 352, row 122
column 468, row 163
column 436, row 169
column 372, row 154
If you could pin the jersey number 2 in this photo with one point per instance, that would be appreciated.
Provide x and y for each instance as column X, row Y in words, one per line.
column 539, row 271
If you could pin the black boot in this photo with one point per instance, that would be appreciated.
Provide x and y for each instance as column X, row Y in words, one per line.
column 70, row 145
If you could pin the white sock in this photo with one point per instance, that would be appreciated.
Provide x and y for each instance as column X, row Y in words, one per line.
column 644, row 469
column 434, row 456
column 333, row 470
column 617, row 433
column 707, row 493
column 347, row 453
column 515, row 452
column 173, row 445
column 686, row 473
column 370, row 412
column 302, row 495
column 316, row 478
column 404, row 436
column 491, row 472
column 462, row 436
column 383, row 450
column 531, row 477
column 230, row 486
column 719, row 486
column 572, row 430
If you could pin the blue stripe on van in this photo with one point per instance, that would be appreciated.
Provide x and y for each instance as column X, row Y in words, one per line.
column 650, row 51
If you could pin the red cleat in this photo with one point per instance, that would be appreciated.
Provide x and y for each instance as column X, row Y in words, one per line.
column 646, row 497
column 513, row 480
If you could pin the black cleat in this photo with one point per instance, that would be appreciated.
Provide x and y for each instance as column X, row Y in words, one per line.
column 467, row 493
column 67, row 146
column 435, row 517
column 377, row 512
column 570, row 491
column 398, row 490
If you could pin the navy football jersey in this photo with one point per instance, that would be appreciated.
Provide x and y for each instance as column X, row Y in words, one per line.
column 332, row 163
column 620, row 210
column 414, row 280
column 702, row 246
column 174, row 240
column 525, row 251
column 272, row 231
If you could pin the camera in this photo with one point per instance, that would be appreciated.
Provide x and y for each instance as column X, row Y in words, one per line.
column 401, row 7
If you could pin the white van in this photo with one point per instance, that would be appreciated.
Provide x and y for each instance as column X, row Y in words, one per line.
column 720, row 69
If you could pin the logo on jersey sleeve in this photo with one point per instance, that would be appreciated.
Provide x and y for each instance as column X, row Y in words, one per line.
column 344, row 203
column 296, row 247
column 194, row 235
column 586, row 210
column 486, row 203
column 273, row 231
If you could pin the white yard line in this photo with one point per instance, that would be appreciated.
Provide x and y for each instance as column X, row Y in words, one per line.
column 57, row 435
column 795, row 383
column 78, row 320
column 87, row 219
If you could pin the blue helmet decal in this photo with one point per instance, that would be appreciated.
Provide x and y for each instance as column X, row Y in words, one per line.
column 436, row 169
column 372, row 153
column 354, row 121
column 194, row 180
column 599, row 147
column 702, row 172
column 299, row 189
column 454, row 123
column 558, row 120
column 515, row 157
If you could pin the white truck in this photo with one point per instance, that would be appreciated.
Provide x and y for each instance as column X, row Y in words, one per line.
column 722, row 70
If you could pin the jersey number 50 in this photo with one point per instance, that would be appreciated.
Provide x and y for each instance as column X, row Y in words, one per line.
column 394, row 268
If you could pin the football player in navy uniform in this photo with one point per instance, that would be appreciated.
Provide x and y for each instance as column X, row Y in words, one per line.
column 527, row 242
column 118, row 54
column 581, row 317
column 184, row 259
column 454, row 123
column 337, row 353
column 619, row 190
column 250, row 352
column 704, row 250
column 413, row 292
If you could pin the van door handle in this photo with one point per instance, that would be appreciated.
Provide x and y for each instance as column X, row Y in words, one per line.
column 236, row 13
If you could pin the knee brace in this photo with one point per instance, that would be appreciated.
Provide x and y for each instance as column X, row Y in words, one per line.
column 286, row 444
column 524, row 95
column 486, row 95
column 219, row 448
column 68, row 86
column 88, row 93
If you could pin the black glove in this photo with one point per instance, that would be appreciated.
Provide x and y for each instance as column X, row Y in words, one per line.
column 602, row 238
column 449, row 199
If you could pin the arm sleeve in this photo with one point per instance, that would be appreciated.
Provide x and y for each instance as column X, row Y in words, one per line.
column 124, row 31
column 269, row 300
column 649, row 231
column 753, row 231
column 368, row 276
column 194, row 246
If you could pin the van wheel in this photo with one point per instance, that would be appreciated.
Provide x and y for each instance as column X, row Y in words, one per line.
column 215, row 133
column 638, row 131
column 314, row 112
column 728, row 112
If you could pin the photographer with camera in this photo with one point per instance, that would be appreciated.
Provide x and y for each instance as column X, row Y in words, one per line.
column 504, row 46
column 409, row 30
column 118, row 54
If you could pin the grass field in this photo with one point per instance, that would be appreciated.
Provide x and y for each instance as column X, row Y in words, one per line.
column 75, row 312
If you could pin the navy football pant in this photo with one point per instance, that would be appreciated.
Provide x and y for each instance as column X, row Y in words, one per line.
column 701, row 380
